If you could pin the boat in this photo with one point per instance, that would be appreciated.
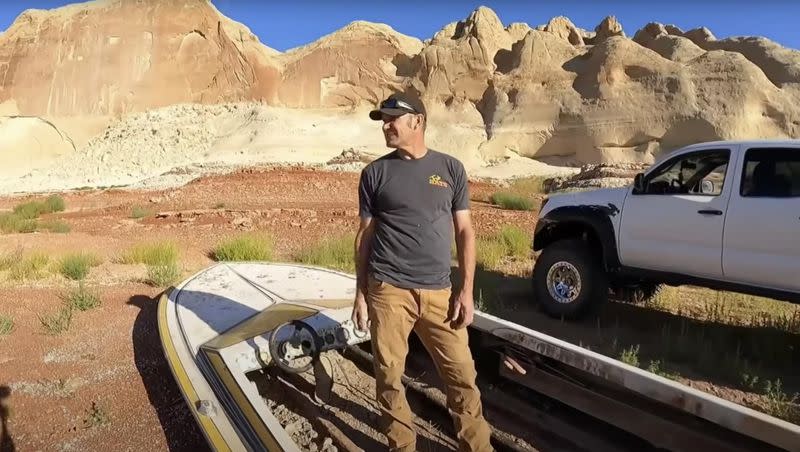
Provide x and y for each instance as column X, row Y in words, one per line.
column 232, row 319
column 224, row 327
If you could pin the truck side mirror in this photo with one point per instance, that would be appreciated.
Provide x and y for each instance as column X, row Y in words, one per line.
column 638, row 183
column 707, row 187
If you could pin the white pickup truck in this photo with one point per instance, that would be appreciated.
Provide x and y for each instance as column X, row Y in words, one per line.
column 723, row 215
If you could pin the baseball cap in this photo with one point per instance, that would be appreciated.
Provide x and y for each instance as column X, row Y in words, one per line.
column 398, row 104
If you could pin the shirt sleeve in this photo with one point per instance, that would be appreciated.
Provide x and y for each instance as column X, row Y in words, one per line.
column 460, row 189
column 365, row 195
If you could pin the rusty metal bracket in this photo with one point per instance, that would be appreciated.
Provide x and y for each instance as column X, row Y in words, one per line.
column 734, row 417
column 660, row 432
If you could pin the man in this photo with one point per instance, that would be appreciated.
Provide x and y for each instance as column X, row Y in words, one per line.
column 409, row 201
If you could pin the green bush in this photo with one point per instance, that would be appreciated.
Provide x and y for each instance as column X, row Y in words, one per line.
column 511, row 201
column 77, row 266
column 59, row 321
column 54, row 203
column 33, row 266
column 6, row 325
column 246, row 247
column 24, row 217
column 516, row 242
column 82, row 299
column 12, row 222
column 161, row 275
column 30, row 210
column 56, row 226
column 157, row 253
column 335, row 253
column 529, row 185
column 140, row 212
column 509, row 242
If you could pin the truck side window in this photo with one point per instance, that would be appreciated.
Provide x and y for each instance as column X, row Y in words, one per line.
column 697, row 173
column 771, row 173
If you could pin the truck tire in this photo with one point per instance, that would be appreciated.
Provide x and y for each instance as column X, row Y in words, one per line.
column 569, row 281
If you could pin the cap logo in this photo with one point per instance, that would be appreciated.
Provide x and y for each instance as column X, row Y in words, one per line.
column 394, row 103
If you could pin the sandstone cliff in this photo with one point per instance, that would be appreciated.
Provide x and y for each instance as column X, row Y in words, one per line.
column 562, row 95
column 362, row 62
column 111, row 57
column 497, row 94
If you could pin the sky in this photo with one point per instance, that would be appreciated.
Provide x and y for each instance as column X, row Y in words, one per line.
column 284, row 24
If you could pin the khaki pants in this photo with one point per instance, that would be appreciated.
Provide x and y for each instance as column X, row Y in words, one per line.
column 394, row 313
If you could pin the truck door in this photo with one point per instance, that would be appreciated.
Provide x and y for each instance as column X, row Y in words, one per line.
column 674, row 224
column 762, row 230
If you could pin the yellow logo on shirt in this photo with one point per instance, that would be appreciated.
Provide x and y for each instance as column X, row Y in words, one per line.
column 437, row 180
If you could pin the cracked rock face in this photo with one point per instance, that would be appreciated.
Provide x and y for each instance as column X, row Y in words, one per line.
column 117, row 56
column 494, row 91
column 606, row 97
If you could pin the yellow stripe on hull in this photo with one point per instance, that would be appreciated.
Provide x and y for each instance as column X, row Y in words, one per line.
column 264, row 434
column 210, row 430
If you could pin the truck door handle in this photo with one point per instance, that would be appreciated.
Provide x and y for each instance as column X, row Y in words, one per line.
column 710, row 212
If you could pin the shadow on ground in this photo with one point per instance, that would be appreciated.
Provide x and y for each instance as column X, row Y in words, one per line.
column 180, row 429
column 742, row 357
column 6, row 442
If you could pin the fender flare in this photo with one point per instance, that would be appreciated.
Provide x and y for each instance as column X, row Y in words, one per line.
column 596, row 218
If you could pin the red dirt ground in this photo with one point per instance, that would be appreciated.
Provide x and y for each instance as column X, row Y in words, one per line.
column 111, row 355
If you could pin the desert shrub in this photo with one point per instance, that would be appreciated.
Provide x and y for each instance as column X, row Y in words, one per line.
column 516, row 242
column 59, row 321
column 7, row 259
column 54, row 203
column 77, row 266
column 82, row 298
column 489, row 253
column 527, row 186
column 140, row 212
column 156, row 253
column 12, row 222
column 56, row 226
column 509, row 242
column 6, row 325
column 33, row 266
column 30, row 209
column 246, row 247
column 511, row 201
column 336, row 253
column 160, row 275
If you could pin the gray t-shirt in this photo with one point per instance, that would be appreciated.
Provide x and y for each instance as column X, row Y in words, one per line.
column 412, row 202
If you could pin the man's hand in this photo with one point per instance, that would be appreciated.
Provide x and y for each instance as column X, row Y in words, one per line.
column 360, row 315
column 462, row 310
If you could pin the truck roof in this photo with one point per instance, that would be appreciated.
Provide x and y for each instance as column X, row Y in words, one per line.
column 774, row 142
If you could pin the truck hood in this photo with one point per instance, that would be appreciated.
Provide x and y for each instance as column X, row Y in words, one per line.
column 606, row 197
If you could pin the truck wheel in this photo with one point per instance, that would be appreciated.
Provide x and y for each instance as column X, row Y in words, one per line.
column 568, row 280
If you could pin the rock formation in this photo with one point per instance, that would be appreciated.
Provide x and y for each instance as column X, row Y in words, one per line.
column 42, row 141
column 608, row 27
column 362, row 62
column 564, row 28
column 592, row 176
column 555, row 93
column 111, row 57
column 605, row 98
